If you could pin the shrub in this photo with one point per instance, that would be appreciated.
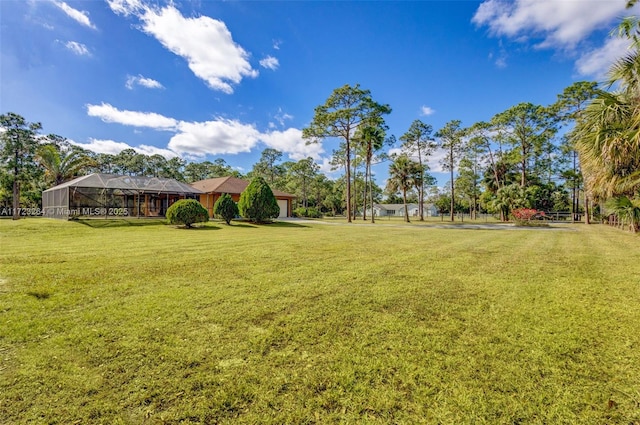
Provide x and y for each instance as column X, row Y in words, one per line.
column 309, row 212
column 528, row 217
column 257, row 202
column 225, row 208
column 187, row 212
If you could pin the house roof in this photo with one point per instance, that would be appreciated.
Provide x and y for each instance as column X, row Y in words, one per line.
column 392, row 206
column 231, row 185
column 399, row 206
column 131, row 183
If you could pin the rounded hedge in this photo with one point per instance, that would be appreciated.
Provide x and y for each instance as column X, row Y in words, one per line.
column 308, row 212
column 187, row 212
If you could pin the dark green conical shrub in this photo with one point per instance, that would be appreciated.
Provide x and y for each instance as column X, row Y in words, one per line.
column 257, row 202
column 225, row 208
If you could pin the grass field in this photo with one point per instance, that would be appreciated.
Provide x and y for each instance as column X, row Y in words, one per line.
column 138, row 322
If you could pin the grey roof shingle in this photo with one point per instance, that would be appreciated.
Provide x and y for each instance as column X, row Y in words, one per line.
column 132, row 183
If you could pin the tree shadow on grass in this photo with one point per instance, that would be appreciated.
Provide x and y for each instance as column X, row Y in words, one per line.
column 267, row 224
column 98, row 223
column 279, row 224
column 288, row 224
column 196, row 227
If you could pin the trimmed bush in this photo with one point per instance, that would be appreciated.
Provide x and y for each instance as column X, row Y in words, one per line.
column 225, row 208
column 187, row 212
column 257, row 202
column 309, row 212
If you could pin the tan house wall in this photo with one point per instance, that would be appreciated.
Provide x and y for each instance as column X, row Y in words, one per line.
column 208, row 200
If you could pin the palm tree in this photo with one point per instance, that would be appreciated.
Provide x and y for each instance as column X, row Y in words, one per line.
column 371, row 138
column 607, row 139
column 507, row 199
column 451, row 142
column 627, row 211
column 403, row 174
column 61, row 161
column 417, row 141
column 607, row 133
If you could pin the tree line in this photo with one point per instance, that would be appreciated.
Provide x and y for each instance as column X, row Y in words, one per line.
column 519, row 158
column 31, row 162
column 512, row 160
column 494, row 166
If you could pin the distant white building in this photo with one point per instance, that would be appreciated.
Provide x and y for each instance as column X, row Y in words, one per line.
column 397, row 210
column 429, row 210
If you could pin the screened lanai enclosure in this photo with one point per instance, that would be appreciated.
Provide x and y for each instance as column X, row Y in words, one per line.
column 111, row 195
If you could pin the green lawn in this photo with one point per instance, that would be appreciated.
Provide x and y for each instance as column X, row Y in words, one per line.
column 138, row 322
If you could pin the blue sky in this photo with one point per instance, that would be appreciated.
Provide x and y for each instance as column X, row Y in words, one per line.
column 206, row 79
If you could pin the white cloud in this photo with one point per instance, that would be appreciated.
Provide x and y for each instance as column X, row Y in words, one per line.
column 596, row 62
column 215, row 137
column 110, row 114
column 501, row 61
column 291, row 142
column 77, row 48
column 152, row 150
column 501, row 57
column 221, row 136
column 103, row 146
column 113, row 148
column 270, row 62
column 395, row 151
column 560, row 24
column 142, row 81
column 205, row 43
column 426, row 111
column 126, row 7
column 326, row 167
column 79, row 16
column 281, row 117
column 276, row 44
column 433, row 161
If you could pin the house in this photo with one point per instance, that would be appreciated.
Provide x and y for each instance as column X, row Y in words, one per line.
column 429, row 210
column 112, row 195
column 397, row 210
column 390, row 210
column 212, row 189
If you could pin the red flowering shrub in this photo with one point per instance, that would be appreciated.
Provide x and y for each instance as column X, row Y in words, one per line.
column 523, row 216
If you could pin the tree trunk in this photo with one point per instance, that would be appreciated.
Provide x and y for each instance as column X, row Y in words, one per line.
column 354, row 195
column 587, row 211
column 574, row 201
column 406, row 212
column 16, row 199
column 421, row 201
column 364, row 193
column 348, row 176
column 421, row 188
column 474, row 213
column 523, row 162
column 452, row 205
column 373, row 214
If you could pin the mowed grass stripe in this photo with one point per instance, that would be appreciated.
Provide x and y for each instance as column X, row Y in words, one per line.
column 317, row 324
